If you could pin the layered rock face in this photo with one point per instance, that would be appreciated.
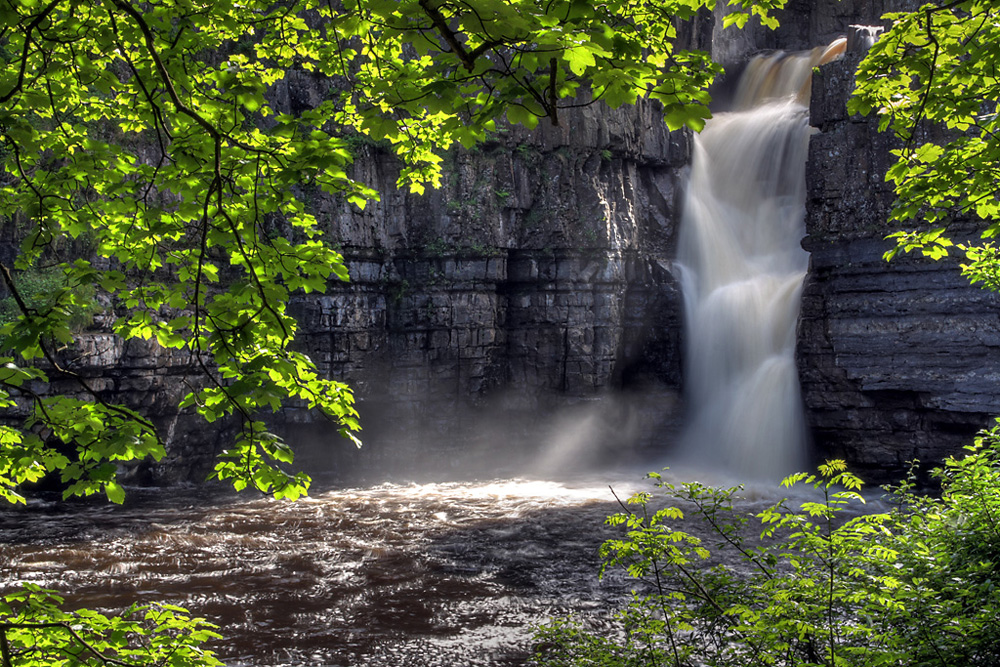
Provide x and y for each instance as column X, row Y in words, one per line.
column 537, row 278
column 145, row 377
column 525, row 314
column 489, row 326
column 900, row 360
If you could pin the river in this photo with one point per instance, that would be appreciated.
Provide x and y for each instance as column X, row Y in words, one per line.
column 432, row 574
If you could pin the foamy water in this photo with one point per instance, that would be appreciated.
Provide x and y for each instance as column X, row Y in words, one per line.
column 741, row 269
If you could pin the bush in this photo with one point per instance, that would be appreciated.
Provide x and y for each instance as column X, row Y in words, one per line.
column 817, row 584
column 45, row 289
column 35, row 630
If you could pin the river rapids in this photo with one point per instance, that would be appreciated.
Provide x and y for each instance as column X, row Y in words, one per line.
column 434, row 574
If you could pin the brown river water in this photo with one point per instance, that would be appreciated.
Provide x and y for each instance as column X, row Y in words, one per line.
column 432, row 574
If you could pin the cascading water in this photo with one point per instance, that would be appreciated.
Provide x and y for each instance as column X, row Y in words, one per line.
column 741, row 267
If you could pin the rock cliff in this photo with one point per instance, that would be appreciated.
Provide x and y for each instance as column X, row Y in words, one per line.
column 537, row 278
column 898, row 361
column 526, row 314
column 489, row 326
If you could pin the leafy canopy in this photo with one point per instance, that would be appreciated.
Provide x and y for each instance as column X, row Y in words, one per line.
column 146, row 162
column 933, row 80
column 35, row 630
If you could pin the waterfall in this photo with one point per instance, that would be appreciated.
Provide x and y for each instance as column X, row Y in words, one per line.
column 741, row 269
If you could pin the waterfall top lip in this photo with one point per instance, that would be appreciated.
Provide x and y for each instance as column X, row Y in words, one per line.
column 822, row 55
column 784, row 74
column 832, row 52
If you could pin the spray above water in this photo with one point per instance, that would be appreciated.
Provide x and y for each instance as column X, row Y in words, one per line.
column 742, row 265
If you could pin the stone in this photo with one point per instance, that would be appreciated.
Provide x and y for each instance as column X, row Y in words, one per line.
column 540, row 276
column 898, row 361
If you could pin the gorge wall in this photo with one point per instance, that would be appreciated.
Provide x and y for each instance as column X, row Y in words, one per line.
column 522, row 316
column 898, row 361
column 536, row 278
column 540, row 278
column 526, row 313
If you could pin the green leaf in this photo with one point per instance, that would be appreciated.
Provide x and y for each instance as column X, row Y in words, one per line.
column 115, row 493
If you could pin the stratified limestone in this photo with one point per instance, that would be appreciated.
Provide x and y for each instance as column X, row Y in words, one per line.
column 529, row 303
column 536, row 279
column 535, row 283
column 900, row 360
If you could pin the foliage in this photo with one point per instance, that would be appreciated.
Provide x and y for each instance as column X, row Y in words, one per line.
column 45, row 288
column 820, row 584
column 35, row 630
column 152, row 131
column 948, row 546
column 932, row 79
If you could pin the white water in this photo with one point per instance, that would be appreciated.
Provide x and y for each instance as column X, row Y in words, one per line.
column 742, row 266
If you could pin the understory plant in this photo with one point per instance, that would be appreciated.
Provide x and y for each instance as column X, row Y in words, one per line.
column 815, row 582
column 36, row 630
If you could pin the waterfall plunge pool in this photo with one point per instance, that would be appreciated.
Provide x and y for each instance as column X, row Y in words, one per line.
column 423, row 575
column 433, row 574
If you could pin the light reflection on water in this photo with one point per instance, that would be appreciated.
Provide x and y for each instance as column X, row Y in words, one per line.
column 434, row 574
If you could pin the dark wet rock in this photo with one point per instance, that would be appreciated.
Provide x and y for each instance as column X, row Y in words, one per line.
column 536, row 279
column 526, row 311
column 899, row 360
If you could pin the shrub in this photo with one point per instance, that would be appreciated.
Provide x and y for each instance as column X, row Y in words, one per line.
column 36, row 630
column 818, row 584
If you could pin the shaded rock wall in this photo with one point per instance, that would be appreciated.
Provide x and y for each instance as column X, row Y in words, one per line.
column 898, row 360
column 482, row 320
column 145, row 377
column 485, row 320
column 525, row 313
column 536, row 279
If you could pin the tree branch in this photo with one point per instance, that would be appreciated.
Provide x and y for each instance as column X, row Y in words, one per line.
column 24, row 52
column 553, row 108
column 448, row 34
column 4, row 649
column 55, row 624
